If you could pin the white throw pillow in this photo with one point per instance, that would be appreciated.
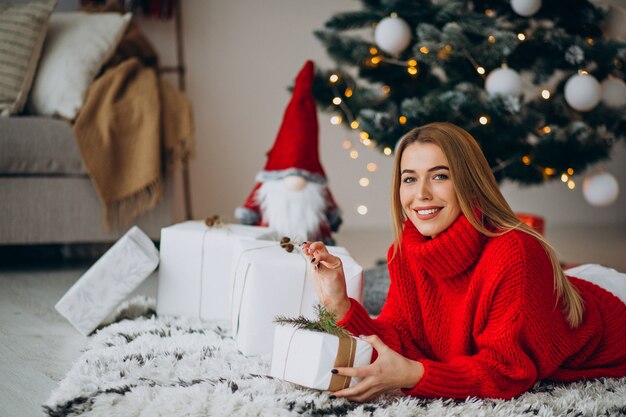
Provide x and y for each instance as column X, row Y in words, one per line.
column 608, row 278
column 76, row 47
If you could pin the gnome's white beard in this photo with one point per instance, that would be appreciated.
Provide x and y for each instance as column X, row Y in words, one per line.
column 296, row 214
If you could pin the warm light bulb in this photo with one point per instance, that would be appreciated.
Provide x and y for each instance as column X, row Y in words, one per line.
column 546, row 129
column 545, row 93
column 364, row 182
column 590, row 41
column 424, row 50
column 548, row 171
column 489, row 12
column 526, row 160
column 337, row 101
column 348, row 92
column 571, row 184
column 386, row 89
column 376, row 59
column 570, row 171
column 583, row 72
column 402, row 120
column 491, row 39
column 412, row 70
column 387, row 151
column 362, row 210
column 521, row 36
column 366, row 142
column 333, row 78
column 346, row 144
column 480, row 70
column 483, row 120
column 354, row 124
column 373, row 51
column 411, row 63
column 354, row 154
column 335, row 120
column 564, row 177
column 364, row 135
column 372, row 167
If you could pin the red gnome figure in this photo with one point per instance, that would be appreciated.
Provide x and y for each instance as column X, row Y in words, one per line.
column 291, row 195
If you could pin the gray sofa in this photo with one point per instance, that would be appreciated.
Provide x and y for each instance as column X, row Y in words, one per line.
column 46, row 196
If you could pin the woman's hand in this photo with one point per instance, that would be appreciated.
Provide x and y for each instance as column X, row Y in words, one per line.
column 330, row 281
column 388, row 372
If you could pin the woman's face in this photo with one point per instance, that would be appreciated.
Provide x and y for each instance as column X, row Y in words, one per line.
column 426, row 189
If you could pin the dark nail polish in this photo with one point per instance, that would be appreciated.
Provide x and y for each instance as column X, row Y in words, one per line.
column 312, row 260
column 334, row 371
column 332, row 397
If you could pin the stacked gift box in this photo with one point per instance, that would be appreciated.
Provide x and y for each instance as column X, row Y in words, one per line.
column 226, row 272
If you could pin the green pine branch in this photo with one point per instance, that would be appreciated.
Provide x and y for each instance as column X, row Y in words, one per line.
column 326, row 322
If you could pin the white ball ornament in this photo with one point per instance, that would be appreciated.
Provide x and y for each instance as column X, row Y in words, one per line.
column 526, row 8
column 613, row 92
column 392, row 35
column 582, row 92
column 600, row 189
column 503, row 81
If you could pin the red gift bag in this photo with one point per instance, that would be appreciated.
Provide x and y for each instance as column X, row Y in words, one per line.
column 536, row 222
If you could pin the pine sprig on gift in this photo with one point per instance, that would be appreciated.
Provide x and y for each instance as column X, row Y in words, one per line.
column 326, row 322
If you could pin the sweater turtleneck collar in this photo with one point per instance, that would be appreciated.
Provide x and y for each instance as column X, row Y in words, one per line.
column 449, row 254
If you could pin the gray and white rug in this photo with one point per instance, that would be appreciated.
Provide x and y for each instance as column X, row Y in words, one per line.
column 167, row 366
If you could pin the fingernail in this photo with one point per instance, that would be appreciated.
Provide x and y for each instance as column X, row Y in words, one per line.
column 312, row 260
column 334, row 371
column 332, row 397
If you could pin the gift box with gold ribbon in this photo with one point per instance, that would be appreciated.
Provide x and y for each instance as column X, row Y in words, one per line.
column 306, row 357
column 269, row 280
column 194, row 276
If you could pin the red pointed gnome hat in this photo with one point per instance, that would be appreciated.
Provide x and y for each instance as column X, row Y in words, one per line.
column 295, row 150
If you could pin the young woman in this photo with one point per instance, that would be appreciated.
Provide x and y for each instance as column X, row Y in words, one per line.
column 478, row 304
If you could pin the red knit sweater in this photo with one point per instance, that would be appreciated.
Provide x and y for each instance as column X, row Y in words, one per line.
column 482, row 317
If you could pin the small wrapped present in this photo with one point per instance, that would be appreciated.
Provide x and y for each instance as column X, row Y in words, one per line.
column 269, row 281
column 306, row 357
column 536, row 222
column 194, row 276
column 109, row 281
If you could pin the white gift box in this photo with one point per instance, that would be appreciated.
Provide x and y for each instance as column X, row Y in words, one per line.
column 109, row 281
column 194, row 276
column 306, row 358
column 269, row 281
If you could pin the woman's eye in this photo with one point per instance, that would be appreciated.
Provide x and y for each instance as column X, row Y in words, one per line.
column 408, row 180
column 440, row 177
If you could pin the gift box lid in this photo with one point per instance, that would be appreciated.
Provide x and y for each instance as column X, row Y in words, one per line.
column 196, row 226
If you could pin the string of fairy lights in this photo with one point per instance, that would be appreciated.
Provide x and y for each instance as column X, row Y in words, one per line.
column 413, row 71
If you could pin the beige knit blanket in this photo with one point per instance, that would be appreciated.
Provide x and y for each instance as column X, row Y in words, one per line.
column 131, row 130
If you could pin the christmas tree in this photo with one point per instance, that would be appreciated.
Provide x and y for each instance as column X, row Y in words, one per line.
column 540, row 86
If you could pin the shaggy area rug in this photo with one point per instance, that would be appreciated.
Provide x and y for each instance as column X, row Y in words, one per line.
column 168, row 366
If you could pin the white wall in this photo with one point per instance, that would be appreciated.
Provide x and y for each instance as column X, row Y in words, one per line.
column 241, row 56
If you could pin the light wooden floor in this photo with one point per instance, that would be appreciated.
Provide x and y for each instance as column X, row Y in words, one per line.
column 37, row 346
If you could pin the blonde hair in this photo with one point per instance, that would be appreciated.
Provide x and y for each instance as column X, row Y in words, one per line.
column 476, row 189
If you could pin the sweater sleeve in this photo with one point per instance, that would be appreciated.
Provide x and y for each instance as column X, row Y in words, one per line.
column 500, row 369
column 390, row 325
column 502, row 365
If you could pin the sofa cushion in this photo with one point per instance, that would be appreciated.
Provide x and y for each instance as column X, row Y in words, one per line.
column 38, row 146
column 77, row 46
column 22, row 36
